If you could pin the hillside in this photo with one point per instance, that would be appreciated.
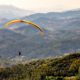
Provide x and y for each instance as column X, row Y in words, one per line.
column 60, row 68
column 12, row 12
column 62, row 35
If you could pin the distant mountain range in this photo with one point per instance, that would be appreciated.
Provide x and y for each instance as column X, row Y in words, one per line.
column 11, row 12
column 62, row 35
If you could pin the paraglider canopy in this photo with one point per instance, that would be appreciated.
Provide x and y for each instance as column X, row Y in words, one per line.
column 26, row 22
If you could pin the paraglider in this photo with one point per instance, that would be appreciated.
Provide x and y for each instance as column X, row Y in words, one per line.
column 26, row 22
column 19, row 53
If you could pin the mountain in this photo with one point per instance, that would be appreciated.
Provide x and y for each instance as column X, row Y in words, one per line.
column 11, row 12
column 62, row 31
column 55, row 20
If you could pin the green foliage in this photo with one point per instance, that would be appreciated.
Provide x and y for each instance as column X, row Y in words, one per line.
column 71, row 78
column 78, row 76
column 44, row 69
column 53, row 78
column 75, row 66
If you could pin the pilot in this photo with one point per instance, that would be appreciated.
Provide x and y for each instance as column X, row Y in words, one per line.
column 19, row 53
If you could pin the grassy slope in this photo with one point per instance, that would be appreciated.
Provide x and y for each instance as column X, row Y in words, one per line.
column 43, row 69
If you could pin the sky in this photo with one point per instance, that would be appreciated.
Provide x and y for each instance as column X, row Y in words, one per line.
column 43, row 5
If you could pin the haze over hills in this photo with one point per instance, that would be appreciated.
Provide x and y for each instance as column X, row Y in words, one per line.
column 11, row 12
column 62, row 35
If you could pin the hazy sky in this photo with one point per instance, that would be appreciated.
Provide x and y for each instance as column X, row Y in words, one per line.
column 43, row 5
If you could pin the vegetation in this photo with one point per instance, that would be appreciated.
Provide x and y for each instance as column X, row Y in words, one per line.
column 62, row 68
